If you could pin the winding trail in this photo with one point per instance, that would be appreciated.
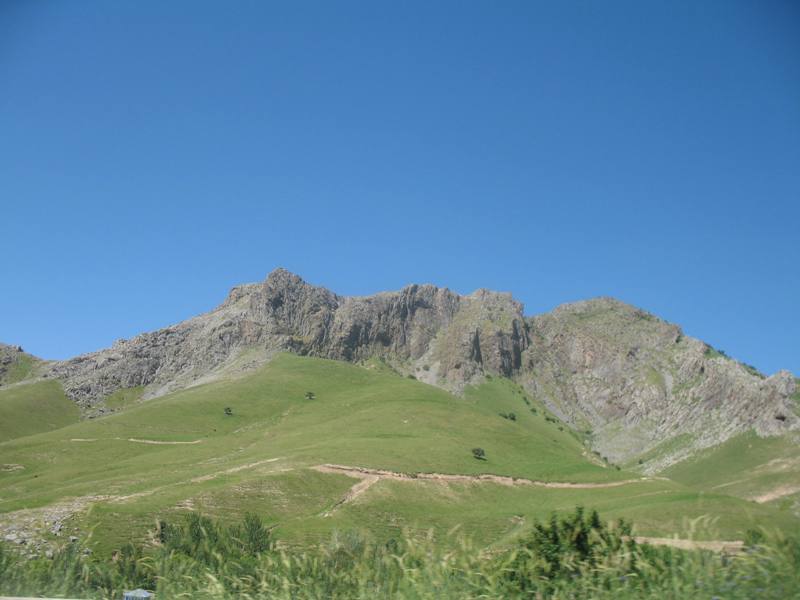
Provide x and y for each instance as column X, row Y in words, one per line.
column 363, row 472
column 138, row 441
column 369, row 477
column 354, row 492
column 232, row 470
column 162, row 443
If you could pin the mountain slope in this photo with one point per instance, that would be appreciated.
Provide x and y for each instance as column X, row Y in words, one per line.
column 641, row 387
column 748, row 466
column 463, row 335
column 26, row 409
column 117, row 475
column 644, row 388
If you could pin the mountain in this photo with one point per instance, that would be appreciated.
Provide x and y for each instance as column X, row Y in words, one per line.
column 324, row 412
column 457, row 337
column 644, row 388
column 315, row 446
column 635, row 385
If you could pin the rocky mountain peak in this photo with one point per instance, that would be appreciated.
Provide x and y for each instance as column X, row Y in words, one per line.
column 463, row 336
column 632, row 379
column 636, row 381
column 282, row 280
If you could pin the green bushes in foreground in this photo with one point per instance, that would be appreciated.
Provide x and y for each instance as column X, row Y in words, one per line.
column 577, row 556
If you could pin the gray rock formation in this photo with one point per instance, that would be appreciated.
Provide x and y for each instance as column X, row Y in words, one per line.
column 16, row 364
column 635, row 381
column 462, row 335
column 644, row 388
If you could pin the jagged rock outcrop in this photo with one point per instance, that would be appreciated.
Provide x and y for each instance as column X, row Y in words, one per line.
column 16, row 364
column 641, row 386
column 461, row 336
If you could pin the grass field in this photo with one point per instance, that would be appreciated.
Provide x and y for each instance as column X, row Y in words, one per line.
column 33, row 408
column 23, row 366
column 124, row 398
column 158, row 458
column 577, row 556
column 747, row 466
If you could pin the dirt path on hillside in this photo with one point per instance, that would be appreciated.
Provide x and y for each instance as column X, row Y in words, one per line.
column 160, row 443
column 363, row 472
column 138, row 441
column 730, row 547
column 198, row 479
column 774, row 494
column 236, row 469
column 369, row 477
column 354, row 492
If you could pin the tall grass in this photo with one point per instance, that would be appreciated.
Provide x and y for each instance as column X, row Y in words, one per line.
column 573, row 557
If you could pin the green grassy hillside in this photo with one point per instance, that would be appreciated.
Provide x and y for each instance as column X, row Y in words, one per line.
column 32, row 408
column 159, row 458
column 124, row 398
column 747, row 466
column 21, row 367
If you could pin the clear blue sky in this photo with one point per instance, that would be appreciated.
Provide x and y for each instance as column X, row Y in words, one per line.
column 154, row 154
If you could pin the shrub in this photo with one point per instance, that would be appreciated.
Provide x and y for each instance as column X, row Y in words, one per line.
column 753, row 371
column 573, row 556
column 711, row 352
column 753, row 538
column 479, row 453
column 563, row 546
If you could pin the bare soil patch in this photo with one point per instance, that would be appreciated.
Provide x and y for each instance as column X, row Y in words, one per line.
column 730, row 547
column 139, row 441
column 774, row 494
column 362, row 472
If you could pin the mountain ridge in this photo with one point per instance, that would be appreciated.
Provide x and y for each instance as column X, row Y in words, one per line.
column 635, row 385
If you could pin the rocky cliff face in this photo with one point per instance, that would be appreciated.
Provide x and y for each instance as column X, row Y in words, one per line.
column 418, row 326
column 643, row 388
column 640, row 385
